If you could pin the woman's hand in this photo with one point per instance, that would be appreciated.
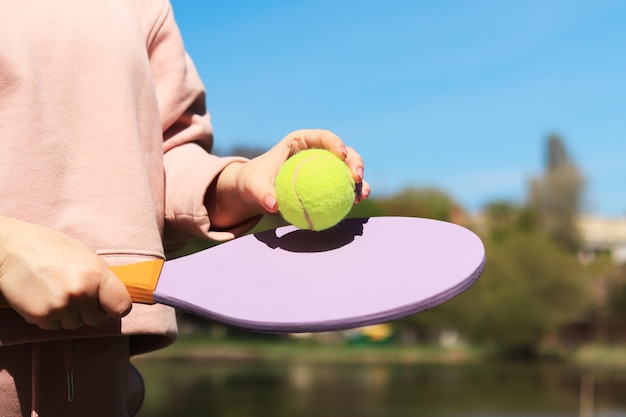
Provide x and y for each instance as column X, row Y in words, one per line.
column 54, row 281
column 245, row 190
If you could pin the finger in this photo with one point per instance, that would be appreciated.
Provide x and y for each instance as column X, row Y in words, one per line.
column 67, row 317
column 113, row 295
column 357, row 167
column 93, row 315
column 46, row 324
column 355, row 163
column 363, row 191
column 71, row 322
column 316, row 138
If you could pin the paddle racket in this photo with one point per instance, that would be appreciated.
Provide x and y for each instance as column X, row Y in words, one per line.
column 361, row 272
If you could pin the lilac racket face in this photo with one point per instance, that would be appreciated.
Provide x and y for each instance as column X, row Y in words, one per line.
column 361, row 272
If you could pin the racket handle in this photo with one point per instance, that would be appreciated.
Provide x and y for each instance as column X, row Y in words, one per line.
column 140, row 279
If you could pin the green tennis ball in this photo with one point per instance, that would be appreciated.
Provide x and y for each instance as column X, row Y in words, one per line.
column 314, row 189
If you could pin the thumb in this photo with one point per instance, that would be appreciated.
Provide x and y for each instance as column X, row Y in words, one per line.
column 114, row 297
column 258, row 179
column 269, row 202
column 264, row 195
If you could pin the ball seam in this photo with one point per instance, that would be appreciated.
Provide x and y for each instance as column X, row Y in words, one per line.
column 294, row 179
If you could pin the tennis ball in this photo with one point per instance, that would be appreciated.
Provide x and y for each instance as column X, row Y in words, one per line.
column 314, row 189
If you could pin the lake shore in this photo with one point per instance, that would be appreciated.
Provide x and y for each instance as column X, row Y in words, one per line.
column 207, row 349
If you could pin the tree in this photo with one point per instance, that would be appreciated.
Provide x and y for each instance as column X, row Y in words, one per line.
column 420, row 202
column 556, row 196
column 529, row 288
column 501, row 218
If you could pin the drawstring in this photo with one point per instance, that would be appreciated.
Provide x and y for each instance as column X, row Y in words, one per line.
column 34, row 357
column 69, row 368
column 68, row 357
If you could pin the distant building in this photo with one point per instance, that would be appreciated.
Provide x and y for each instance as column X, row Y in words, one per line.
column 603, row 234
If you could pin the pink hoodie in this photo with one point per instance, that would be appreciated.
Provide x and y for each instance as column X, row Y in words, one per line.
column 104, row 136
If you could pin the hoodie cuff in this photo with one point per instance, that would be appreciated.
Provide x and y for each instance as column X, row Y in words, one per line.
column 189, row 171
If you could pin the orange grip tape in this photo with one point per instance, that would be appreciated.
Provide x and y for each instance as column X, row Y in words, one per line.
column 140, row 279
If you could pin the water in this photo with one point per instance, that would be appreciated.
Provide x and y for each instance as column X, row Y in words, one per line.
column 311, row 390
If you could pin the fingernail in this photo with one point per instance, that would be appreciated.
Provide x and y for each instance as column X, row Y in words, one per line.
column 344, row 150
column 359, row 172
column 270, row 203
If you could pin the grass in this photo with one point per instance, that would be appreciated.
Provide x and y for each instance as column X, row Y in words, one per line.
column 307, row 351
column 288, row 350
column 613, row 356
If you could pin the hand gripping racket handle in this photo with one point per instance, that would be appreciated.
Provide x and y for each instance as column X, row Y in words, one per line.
column 140, row 279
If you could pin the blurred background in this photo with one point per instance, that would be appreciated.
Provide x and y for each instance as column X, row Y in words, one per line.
column 504, row 117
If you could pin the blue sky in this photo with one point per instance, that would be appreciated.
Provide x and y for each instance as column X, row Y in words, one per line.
column 459, row 95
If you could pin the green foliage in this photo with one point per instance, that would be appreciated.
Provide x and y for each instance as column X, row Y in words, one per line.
column 615, row 283
column 419, row 202
column 503, row 218
column 366, row 208
column 529, row 288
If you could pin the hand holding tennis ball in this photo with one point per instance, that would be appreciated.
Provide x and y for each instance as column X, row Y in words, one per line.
column 314, row 189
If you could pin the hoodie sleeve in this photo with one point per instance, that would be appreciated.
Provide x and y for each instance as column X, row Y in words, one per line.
column 187, row 134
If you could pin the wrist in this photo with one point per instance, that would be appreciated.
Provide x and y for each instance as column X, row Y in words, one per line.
column 227, row 199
